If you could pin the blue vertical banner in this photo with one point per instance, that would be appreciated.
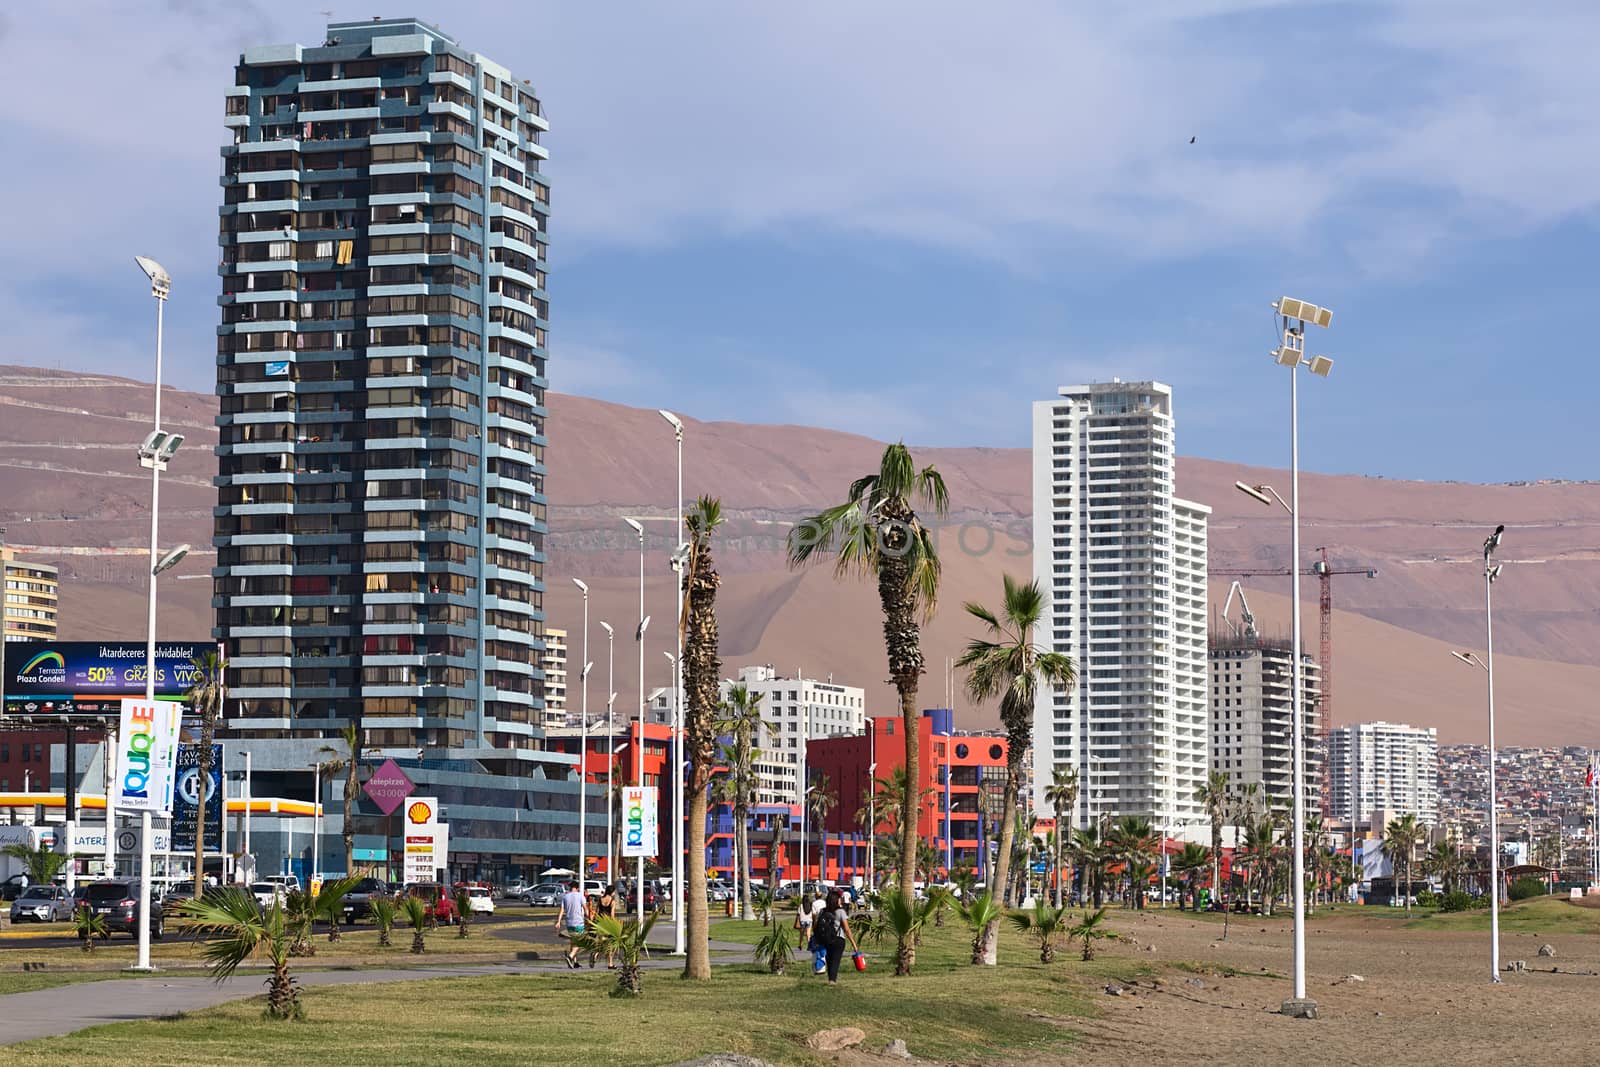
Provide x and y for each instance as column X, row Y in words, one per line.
column 186, row 795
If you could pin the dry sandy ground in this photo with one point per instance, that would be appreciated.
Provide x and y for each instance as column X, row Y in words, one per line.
column 1426, row 997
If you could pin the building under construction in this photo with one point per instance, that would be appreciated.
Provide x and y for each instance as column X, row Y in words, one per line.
column 1251, row 697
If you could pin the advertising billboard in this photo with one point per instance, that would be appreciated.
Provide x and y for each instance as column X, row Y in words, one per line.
column 146, row 741
column 91, row 678
column 427, row 840
column 639, row 821
column 186, row 794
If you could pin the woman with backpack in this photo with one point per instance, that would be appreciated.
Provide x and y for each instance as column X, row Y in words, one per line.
column 606, row 905
column 832, row 932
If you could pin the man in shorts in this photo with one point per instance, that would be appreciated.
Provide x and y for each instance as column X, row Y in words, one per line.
column 569, row 921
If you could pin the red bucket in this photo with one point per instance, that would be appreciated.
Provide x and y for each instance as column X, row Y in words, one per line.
column 860, row 961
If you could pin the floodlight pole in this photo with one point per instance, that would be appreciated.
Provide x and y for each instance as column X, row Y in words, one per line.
column 159, row 289
column 679, row 842
column 1297, row 762
column 583, row 751
column 1490, row 573
column 611, row 751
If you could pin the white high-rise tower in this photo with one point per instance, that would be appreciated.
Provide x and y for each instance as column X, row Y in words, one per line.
column 1123, row 563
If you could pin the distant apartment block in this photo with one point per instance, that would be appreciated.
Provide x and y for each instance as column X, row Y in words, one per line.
column 798, row 709
column 1384, row 766
column 1251, row 708
column 554, row 662
column 1123, row 562
column 31, row 593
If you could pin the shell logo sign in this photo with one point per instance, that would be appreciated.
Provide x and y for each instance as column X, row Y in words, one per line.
column 420, row 811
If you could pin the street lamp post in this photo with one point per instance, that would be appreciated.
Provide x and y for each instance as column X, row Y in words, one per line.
column 872, row 823
column 611, row 749
column 156, row 451
column 583, row 749
column 1491, row 574
column 638, row 636
column 679, row 929
column 1293, row 316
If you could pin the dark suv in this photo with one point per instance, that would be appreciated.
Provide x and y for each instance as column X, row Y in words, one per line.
column 358, row 902
column 118, row 904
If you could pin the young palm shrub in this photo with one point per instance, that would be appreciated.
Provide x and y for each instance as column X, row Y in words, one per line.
column 940, row 900
column 627, row 942
column 463, row 912
column 41, row 864
column 383, row 914
column 979, row 914
column 1044, row 924
column 776, row 947
column 244, row 928
column 762, row 901
column 869, row 926
column 416, row 913
column 299, row 912
column 89, row 927
column 904, row 919
column 1089, row 930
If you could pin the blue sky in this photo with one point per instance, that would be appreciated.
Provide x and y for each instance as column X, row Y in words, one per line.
column 911, row 219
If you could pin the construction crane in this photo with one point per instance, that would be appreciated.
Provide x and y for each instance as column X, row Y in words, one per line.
column 1246, row 627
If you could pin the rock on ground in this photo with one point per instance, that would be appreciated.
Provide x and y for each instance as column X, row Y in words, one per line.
column 724, row 1059
column 841, row 1037
column 896, row 1050
column 1547, row 950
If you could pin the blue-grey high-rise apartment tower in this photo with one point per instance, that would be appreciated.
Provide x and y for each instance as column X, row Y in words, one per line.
column 381, row 366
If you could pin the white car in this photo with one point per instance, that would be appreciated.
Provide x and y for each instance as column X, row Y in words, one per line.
column 267, row 894
column 42, row 903
column 480, row 900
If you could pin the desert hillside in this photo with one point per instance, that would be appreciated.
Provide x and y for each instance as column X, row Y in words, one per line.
column 71, row 490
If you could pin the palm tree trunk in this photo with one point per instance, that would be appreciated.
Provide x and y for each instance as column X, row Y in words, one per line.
column 1058, row 864
column 207, row 732
column 697, row 960
column 741, row 844
column 1002, row 863
column 349, row 817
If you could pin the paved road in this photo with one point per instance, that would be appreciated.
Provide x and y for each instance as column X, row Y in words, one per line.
column 64, row 1009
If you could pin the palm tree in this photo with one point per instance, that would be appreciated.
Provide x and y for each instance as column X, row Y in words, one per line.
column 463, row 902
column 383, row 915
column 244, row 927
column 205, row 699
column 416, row 913
column 940, row 899
column 1400, row 840
column 41, row 864
column 776, row 947
column 1444, row 863
column 1007, row 664
column 1090, row 929
column 965, row 879
column 876, row 534
column 625, row 941
column 741, row 723
column 762, row 902
column 1133, row 840
column 1093, row 855
column 702, row 684
column 819, row 803
column 905, row 919
column 1043, row 924
column 1193, row 859
column 1213, row 796
column 1260, row 846
column 1062, row 796
column 350, row 763
column 980, row 914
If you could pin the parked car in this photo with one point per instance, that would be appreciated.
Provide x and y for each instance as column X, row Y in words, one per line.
column 441, row 908
column 284, row 881
column 118, row 903
column 545, row 894
column 515, row 889
column 12, row 887
column 358, row 902
column 479, row 899
column 176, row 897
column 652, row 897
column 719, row 890
column 267, row 894
column 42, row 903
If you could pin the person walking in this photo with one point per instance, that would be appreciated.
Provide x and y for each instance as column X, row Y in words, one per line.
column 606, row 905
column 570, row 921
column 832, row 932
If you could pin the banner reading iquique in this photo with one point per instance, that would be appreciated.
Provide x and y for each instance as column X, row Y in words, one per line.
column 639, row 821
column 146, row 744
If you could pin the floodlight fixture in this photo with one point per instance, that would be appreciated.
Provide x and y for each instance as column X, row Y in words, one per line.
column 1286, row 356
column 160, row 280
column 581, row 586
column 1466, row 657
column 1255, row 492
column 1303, row 311
column 612, row 700
column 677, row 423
column 637, row 527
column 1493, row 541
column 587, row 667
column 1494, row 572
column 644, row 624
column 171, row 559
column 606, row 626
column 1321, row 365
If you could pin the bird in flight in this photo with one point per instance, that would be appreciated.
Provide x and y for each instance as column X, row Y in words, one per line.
column 1191, row 140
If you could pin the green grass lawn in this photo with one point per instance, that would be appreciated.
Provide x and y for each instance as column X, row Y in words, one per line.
column 1537, row 916
column 948, row 1011
column 27, row 982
